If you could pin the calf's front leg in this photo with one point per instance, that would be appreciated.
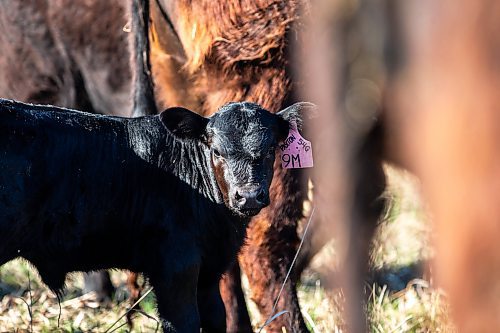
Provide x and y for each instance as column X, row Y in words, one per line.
column 211, row 307
column 176, row 297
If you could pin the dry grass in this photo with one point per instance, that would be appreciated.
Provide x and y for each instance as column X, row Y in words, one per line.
column 399, row 258
column 77, row 312
column 402, row 242
column 417, row 308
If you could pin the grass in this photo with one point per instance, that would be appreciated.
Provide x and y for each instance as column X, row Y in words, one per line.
column 401, row 299
column 78, row 313
column 413, row 309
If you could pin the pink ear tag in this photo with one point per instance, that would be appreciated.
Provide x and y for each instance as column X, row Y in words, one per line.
column 296, row 152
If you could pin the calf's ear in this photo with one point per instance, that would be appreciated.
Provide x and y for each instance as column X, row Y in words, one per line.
column 298, row 112
column 184, row 123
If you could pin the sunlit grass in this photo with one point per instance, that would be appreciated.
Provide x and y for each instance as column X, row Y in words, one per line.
column 77, row 312
column 322, row 309
column 417, row 309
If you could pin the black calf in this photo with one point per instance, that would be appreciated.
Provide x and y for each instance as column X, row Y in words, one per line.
column 77, row 190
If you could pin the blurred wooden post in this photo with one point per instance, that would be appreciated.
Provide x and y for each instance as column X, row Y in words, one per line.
column 446, row 112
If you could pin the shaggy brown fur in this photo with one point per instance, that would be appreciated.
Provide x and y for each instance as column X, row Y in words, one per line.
column 234, row 50
column 227, row 33
column 237, row 319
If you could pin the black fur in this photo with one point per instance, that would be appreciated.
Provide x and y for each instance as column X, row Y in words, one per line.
column 81, row 192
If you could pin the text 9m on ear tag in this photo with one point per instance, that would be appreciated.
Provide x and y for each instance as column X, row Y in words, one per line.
column 296, row 152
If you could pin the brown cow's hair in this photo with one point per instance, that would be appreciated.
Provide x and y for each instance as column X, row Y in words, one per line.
column 243, row 42
column 217, row 32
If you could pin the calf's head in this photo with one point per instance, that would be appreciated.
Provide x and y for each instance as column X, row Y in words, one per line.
column 242, row 139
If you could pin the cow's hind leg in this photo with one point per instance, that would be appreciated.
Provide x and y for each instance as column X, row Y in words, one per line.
column 368, row 185
column 100, row 283
column 135, row 290
column 237, row 318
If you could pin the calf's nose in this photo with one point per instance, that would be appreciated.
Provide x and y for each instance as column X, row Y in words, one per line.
column 253, row 198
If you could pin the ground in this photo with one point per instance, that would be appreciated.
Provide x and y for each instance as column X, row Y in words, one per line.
column 401, row 296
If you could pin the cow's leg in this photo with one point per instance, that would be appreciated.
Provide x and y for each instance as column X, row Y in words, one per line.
column 211, row 307
column 100, row 283
column 102, row 80
column 177, row 301
column 271, row 245
column 237, row 318
column 135, row 290
column 368, row 204
column 133, row 286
